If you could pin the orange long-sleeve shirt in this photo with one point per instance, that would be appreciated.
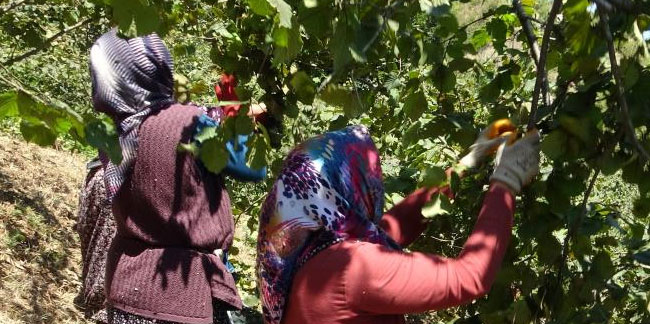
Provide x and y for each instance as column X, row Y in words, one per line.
column 360, row 282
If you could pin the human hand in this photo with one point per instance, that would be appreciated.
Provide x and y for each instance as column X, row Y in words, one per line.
column 516, row 165
column 488, row 141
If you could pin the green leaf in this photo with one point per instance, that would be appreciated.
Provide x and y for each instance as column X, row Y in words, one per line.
column 288, row 43
column 444, row 79
column 244, row 125
column 342, row 97
column 454, row 182
column 434, row 7
column 214, row 155
column 447, row 25
column 480, row 38
column 205, row 134
column 554, row 145
column 432, row 176
column 257, row 155
column 412, row 133
column 304, row 87
column 461, row 64
column 8, row 104
column 339, row 45
column 131, row 14
column 285, row 13
column 548, row 249
column 521, row 313
column 261, row 7
column 438, row 205
column 101, row 134
column 37, row 133
column 602, row 266
column 415, row 104
column 498, row 30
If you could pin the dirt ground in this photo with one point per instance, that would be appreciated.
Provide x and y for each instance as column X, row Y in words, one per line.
column 39, row 250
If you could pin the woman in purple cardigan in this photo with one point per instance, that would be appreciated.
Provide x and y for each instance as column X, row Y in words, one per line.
column 173, row 216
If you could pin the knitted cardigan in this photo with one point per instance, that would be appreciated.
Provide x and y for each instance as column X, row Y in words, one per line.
column 171, row 215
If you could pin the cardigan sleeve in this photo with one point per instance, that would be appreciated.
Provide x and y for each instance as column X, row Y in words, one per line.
column 384, row 281
column 405, row 222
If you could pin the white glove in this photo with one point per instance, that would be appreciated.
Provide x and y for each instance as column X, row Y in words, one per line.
column 488, row 141
column 516, row 165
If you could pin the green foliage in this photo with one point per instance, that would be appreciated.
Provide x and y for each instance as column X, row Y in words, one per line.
column 424, row 76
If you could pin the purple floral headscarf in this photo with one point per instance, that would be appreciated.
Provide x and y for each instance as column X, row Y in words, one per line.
column 329, row 190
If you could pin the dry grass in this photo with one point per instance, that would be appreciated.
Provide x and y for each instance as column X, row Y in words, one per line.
column 39, row 250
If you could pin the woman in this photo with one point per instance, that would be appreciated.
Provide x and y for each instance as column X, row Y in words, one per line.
column 173, row 216
column 326, row 254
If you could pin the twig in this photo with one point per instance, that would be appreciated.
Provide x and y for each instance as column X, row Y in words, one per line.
column 620, row 90
column 250, row 207
column 20, row 88
column 47, row 42
column 11, row 6
column 527, row 27
column 573, row 226
column 541, row 66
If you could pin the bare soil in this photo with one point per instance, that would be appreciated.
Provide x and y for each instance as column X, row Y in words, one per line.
column 39, row 249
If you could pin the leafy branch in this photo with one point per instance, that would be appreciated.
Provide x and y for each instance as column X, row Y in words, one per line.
column 541, row 66
column 618, row 79
column 48, row 42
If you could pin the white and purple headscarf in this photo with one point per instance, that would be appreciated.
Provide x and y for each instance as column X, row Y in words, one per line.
column 131, row 79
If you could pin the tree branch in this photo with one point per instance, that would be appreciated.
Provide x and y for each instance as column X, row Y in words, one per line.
column 47, row 42
column 618, row 80
column 573, row 226
column 11, row 6
column 527, row 27
column 541, row 66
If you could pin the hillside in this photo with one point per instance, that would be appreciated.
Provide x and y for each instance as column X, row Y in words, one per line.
column 39, row 250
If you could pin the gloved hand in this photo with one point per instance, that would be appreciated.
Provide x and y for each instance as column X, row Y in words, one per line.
column 516, row 165
column 487, row 142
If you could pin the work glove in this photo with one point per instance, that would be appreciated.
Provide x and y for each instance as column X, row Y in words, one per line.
column 488, row 142
column 516, row 165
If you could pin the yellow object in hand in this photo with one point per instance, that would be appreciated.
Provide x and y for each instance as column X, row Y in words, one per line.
column 502, row 128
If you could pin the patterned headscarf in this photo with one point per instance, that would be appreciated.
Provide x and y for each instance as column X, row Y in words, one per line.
column 131, row 79
column 330, row 189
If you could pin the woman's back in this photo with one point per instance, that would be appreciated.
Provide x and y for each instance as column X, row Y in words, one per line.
column 171, row 215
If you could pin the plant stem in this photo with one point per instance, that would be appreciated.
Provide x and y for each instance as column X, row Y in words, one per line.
column 541, row 66
column 618, row 80
column 573, row 226
column 11, row 6
column 527, row 27
column 47, row 42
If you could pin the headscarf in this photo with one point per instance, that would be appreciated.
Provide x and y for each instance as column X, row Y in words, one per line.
column 131, row 79
column 330, row 189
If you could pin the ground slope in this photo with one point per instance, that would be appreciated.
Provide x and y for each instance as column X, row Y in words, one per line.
column 39, row 249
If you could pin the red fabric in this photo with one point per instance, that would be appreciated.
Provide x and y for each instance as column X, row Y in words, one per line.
column 369, row 283
column 225, row 91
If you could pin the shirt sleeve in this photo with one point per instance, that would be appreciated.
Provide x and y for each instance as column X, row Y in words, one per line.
column 404, row 222
column 384, row 281
column 237, row 149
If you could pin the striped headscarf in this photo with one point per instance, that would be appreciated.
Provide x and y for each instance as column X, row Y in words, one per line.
column 330, row 189
column 131, row 79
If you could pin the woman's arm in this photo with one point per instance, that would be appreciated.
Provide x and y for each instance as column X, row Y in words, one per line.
column 384, row 281
column 404, row 222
